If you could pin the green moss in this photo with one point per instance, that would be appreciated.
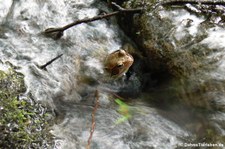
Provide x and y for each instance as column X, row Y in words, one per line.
column 152, row 34
column 23, row 122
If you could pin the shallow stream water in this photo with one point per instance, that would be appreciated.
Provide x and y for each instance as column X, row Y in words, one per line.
column 69, row 84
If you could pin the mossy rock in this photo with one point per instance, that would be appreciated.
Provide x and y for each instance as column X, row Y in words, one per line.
column 154, row 32
column 173, row 50
column 23, row 123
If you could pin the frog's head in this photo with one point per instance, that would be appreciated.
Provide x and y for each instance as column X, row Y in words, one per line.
column 118, row 63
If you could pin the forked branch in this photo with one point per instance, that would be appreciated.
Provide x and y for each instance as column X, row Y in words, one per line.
column 57, row 33
column 181, row 2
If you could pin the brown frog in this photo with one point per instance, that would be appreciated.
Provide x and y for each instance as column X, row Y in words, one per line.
column 118, row 63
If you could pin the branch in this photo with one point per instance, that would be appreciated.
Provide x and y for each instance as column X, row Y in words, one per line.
column 43, row 67
column 93, row 119
column 181, row 2
column 117, row 6
column 57, row 33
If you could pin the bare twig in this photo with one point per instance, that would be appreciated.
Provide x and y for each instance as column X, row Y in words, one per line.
column 49, row 62
column 57, row 33
column 117, row 6
column 93, row 123
column 117, row 96
column 183, row 2
column 180, row 2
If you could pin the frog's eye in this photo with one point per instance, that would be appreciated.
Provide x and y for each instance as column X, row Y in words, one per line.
column 117, row 69
column 120, row 65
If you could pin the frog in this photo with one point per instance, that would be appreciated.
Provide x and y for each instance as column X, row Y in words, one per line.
column 118, row 63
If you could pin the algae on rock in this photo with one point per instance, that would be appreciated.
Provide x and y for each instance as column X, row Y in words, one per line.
column 23, row 123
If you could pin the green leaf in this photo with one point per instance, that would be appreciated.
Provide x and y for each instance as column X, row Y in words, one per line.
column 124, row 110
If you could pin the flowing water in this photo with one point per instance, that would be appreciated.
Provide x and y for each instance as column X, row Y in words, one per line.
column 69, row 84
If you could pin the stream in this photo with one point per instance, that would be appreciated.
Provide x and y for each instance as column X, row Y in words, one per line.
column 69, row 84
